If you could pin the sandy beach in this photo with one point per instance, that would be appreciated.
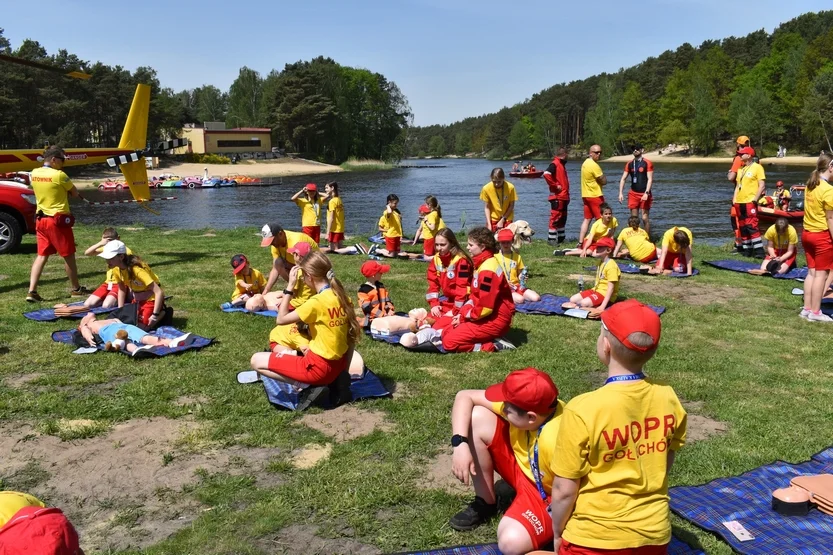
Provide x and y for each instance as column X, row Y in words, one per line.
column 285, row 167
column 677, row 158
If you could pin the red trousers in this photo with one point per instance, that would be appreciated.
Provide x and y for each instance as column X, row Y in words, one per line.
column 478, row 335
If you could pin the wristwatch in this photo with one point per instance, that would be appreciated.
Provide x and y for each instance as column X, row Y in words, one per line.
column 287, row 292
column 457, row 440
column 157, row 314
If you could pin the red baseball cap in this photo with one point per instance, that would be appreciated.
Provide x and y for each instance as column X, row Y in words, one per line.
column 627, row 317
column 299, row 249
column 505, row 235
column 311, row 187
column 371, row 268
column 779, row 184
column 238, row 262
column 424, row 209
column 605, row 242
column 528, row 389
column 748, row 150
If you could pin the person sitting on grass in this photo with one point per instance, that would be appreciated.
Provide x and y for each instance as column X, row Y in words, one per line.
column 510, row 428
column 449, row 278
column 603, row 227
column 333, row 334
column 131, row 336
column 675, row 254
column 335, row 221
column 135, row 277
column 107, row 294
column 248, row 281
column 615, row 447
column 781, row 248
column 430, row 222
column 606, row 286
column 513, row 268
column 374, row 299
column 637, row 243
column 390, row 224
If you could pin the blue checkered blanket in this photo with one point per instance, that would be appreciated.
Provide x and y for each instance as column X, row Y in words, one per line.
column 228, row 307
column 676, row 547
column 284, row 395
column 48, row 314
column 550, row 305
column 164, row 331
column 748, row 499
column 743, row 266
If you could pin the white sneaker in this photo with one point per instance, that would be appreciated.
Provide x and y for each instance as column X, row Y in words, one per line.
column 804, row 313
column 813, row 317
column 183, row 340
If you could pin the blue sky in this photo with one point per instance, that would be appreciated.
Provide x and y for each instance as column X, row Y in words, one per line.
column 452, row 59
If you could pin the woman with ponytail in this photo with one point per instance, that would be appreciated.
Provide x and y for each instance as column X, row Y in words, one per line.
column 817, row 237
column 333, row 331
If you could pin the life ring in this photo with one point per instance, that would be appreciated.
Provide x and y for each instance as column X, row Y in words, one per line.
column 191, row 185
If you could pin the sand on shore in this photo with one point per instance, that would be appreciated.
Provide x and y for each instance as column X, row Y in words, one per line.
column 678, row 158
column 284, row 167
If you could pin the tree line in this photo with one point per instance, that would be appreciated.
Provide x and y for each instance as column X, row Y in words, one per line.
column 776, row 88
column 318, row 108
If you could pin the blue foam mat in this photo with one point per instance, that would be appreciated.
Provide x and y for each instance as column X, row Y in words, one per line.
column 164, row 331
column 379, row 240
column 227, row 307
column 393, row 339
column 748, row 499
column 48, row 314
column 743, row 266
column 627, row 268
column 283, row 395
column 550, row 305
column 676, row 547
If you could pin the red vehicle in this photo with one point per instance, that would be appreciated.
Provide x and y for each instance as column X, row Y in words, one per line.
column 17, row 214
column 535, row 174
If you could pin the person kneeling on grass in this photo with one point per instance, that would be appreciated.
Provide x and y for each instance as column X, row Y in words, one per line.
column 333, row 334
column 606, row 286
column 781, row 240
column 248, row 281
column 636, row 242
column 107, row 294
column 510, row 428
column 135, row 277
column 603, row 227
column 513, row 268
column 610, row 492
column 130, row 338
column 675, row 255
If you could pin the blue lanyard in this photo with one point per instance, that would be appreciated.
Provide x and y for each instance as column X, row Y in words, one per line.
column 625, row 378
column 533, row 459
column 323, row 289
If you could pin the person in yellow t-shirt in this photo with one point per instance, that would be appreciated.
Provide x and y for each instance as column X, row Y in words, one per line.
column 310, row 204
column 510, row 428
column 107, row 294
column 592, row 181
column 390, row 224
column 499, row 198
column 513, row 268
column 335, row 221
column 603, row 227
column 280, row 241
column 429, row 223
column 333, row 334
column 606, row 287
column 817, row 238
column 781, row 248
column 637, row 243
column 751, row 186
column 616, row 446
column 248, row 281
column 135, row 278
column 675, row 254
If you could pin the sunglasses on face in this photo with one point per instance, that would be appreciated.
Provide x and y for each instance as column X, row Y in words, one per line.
column 595, row 152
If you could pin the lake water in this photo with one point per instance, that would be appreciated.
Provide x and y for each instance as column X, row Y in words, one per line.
column 694, row 195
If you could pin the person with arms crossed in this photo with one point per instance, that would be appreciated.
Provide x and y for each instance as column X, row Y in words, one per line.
column 592, row 181
column 640, row 197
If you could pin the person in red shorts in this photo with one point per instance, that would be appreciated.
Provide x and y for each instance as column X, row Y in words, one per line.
column 510, row 428
column 53, row 228
column 390, row 224
column 107, row 294
column 737, row 163
column 606, row 287
column 592, row 181
column 559, row 198
column 781, row 242
column 640, row 197
column 817, row 237
column 310, row 202
column 675, row 254
column 135, row 277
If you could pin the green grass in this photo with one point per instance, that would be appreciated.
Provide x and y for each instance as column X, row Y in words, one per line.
column 356, row 165
column 751, row 363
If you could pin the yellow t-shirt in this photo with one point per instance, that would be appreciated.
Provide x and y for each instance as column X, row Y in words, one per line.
column 590, row 170
column 328, row 325
column 138, row 278
column 441, row 225
column 391, row 223
column 615, row 441
column 670, row 244
column 816, row 202
column 335, row 206
column 434, row 219
column 747, row 180
column 599, row 229
column 292, row 238
column 255, row 279
column 512, row 266
column 607, row 276
column 310, row 211
column 111, row 274
column 638, row 243
column 781, row 242
column 499, row 201
column 12, row 501
column 523, row 441
column 51, row 188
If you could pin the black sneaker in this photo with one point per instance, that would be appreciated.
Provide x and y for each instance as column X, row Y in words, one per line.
column 503, row 345
column 80, row 292
column 311, row 395
column 33, row 297
column 478, row 512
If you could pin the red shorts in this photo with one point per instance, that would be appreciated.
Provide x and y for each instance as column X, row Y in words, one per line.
column 674, row 261
column 592, row 207
column 311, row 369
column 107, row 290
column 594, row 297
column 505, row 224
column 651, row 257
column 818, row 248
column 145, row 311
column 53, row 238
column 568, row 548
column 790, row 262
column 335, row 237
column 428, row 247
column 393, row 244
column 528, row 508
column 314, row 231
column 635, row 201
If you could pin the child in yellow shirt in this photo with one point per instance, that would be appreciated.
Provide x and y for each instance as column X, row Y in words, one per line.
column 606, row 286
column 513, row 268
column 247, row 280
column 603, row 227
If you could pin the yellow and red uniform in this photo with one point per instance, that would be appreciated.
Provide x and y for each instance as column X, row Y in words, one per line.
column 311, row 216
column 638, row 171
column 638, row 243
column 591, row 192
column 512, row 266
column 302, row 292
column 781, row 242
column 816, row 239
column 110, row 287
column 600, row 229
column 54, row 217
column 607, row 276
column 391, row 226
column 139, row 280
column 559, row 198
column 254, row 278
column 487, row 314
column 746, row 207
column 675, row 257
column 336, row 208
column 449, row 276
column 428, row 235
column 501, row 202
column 374, row 300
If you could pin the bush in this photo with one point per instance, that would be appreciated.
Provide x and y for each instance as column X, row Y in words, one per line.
column 194, row 158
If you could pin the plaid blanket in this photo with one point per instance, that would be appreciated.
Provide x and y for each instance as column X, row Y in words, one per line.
column 164, row 331
column 743, row 266
column 550, row 305
column 284, row 395
column 676, row 547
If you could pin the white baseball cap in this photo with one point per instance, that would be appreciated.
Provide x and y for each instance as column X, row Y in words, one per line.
column 112, row 249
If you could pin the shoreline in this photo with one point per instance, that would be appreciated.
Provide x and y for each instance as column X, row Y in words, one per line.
column 656, row 158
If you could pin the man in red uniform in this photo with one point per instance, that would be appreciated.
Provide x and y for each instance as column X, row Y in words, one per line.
column 52, row 189
column 559, row 184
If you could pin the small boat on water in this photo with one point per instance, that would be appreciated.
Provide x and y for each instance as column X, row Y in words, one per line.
column 794, row 212
column 537, row 173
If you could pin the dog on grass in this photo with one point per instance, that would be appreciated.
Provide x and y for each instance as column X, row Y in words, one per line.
column 522, row 232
